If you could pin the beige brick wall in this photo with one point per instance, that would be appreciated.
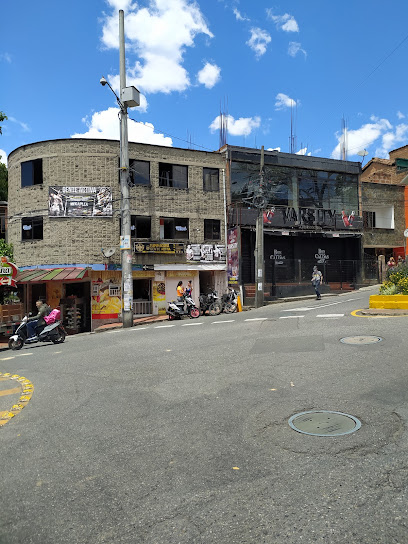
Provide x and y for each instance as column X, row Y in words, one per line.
column 83, row 162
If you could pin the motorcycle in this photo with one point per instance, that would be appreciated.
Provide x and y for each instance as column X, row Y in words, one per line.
column 230, row 301
column 210, row 303
column 54, row 332
column 176, row 310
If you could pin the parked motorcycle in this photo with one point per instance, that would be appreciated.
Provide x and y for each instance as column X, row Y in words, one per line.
column 210, row 303
column 54, row 332
column 177, row 310
column 230, row 301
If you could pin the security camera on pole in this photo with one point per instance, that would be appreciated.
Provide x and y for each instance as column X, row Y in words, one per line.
column 129, row 97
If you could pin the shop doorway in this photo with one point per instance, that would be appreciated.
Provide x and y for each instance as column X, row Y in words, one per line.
column 38, row 292
column 142, row 297
column 76, row 307
column 206, row 282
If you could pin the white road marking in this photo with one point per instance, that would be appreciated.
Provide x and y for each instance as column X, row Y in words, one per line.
column 164, row 326
column 6, row 358
column 256, row 319
column 223, row 321
column 23, row 354
column 317, row 307
column 138, row 328
column 298, row 310
column 191, row 324
column 113, row 332
column 291, row 316
column 330, row 315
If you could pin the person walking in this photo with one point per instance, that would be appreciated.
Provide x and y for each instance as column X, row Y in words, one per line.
column 317, row 279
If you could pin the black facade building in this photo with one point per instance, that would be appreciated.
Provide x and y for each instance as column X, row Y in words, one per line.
column 311, row 215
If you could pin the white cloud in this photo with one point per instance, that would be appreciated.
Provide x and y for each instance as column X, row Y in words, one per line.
column 105, row 125
column 159, row 35
column 273, row 149
column 209, row 75
column 283, row 101
column 237, row 127
column 24, row 126
column 392, row 140
column 6, row 57
column 301, row 151
column 238, row 15
column 400, row 115
column 294, row 48
column 3, row 156
column 362, row 137
column 258, row 41
column 285, row 22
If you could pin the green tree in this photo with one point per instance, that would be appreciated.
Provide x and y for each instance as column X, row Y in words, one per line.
column 3, row 117
column 3, row 182
column 6, row 250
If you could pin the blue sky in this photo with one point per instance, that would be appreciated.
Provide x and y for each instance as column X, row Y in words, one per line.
column 328, row 60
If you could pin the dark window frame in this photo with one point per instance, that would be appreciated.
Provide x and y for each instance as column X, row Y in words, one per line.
column 136, row 232
column 170, row 231
column 211, row 228
column 368, row 219
column 31, row 173
column 37, row 228
column 209, row 183
column 169, row 178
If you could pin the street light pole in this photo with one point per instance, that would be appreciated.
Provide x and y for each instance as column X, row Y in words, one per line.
column 259, row 242
column 126, row 252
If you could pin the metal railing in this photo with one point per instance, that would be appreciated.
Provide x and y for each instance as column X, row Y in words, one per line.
column 142, row 307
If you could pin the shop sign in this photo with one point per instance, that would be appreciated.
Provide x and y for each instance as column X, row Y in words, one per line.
column 166, row 249
column 79, row 201
column 277, row 256
column 8, row 272
column 204, row 253
column 309, row 218
column 321, row 256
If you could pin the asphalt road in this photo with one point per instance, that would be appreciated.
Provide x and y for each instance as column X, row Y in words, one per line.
column 178, row 432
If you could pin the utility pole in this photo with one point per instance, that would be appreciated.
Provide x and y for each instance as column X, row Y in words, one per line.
column 259, row 244
column 126, row 253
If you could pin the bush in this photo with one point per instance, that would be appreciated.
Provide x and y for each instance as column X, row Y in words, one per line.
column 397, row 281
column 388, row 288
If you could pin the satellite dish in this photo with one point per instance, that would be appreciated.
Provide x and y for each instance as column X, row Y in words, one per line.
column 108, row 252
column 363, row 153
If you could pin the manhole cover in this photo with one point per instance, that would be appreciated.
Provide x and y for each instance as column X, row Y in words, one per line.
column 360, row 340
column 324, row 423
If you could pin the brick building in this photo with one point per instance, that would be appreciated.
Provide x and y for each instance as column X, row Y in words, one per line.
column 64, row 223
column 384, row 204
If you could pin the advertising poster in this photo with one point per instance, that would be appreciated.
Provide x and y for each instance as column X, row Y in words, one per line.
column 79, row 201
column 159, row 297
column 205, row 253
column 233, row 257
column 103, row 305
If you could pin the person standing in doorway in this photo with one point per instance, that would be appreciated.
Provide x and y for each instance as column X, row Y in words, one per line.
column 180, row 291
column 317, row 279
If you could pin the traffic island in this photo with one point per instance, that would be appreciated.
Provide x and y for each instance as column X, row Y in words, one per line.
column 389, row 302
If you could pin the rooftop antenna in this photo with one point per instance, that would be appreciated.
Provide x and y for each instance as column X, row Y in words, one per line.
column 293, row 118
column 343, row 147
column 223, row 124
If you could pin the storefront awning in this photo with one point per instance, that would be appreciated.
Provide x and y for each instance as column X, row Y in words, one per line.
column 54, row 274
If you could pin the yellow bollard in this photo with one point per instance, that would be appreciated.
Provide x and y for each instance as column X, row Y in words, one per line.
column 239, row 304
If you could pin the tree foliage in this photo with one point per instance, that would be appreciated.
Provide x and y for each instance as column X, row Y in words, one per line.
column 6, row 249
column 3, row 117
column 3, row 182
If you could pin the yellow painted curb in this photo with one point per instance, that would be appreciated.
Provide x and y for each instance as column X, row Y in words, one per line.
column 389, row 302
column 355, row 314
column 27, row 390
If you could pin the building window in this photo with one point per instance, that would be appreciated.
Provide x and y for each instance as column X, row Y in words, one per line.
column 140, row 226
column 32, row 228
column 369, row 220
column 139, row 172
column 31, row 173
column 173, row 175
column 173, row 228
column 212, row 229
column 211, row 179
column 382, row 217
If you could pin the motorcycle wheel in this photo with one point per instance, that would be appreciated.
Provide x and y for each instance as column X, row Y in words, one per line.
column 60, row 338
column 230, row 308
column 194, row 312
column 15, row 344
column 215, row 308
column 171, row 317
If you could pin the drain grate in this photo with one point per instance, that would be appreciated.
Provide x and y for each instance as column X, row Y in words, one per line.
column 324, row 423
column 361, row 340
